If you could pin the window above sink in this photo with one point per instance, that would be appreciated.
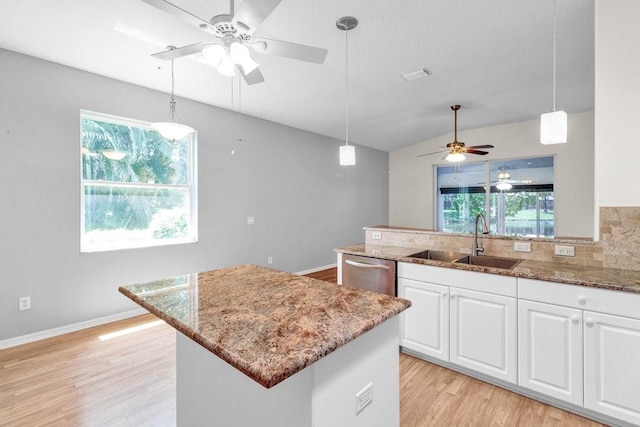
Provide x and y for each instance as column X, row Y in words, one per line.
column 515, row 195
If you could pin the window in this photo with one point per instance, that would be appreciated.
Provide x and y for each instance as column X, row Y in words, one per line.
column 138, row 188
column 516, row 196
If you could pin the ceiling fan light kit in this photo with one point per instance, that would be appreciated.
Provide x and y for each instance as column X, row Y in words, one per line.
column 553, row 125
column 455, row 157
column 503, row 186
column 234, row 36
column 347, row 152
column 172, row 129
column 458, row 149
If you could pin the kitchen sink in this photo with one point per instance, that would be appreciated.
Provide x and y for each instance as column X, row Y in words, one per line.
column 489, row 261
column 438, row 255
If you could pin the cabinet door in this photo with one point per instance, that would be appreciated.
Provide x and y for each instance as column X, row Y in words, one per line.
column 612, row 366
column 550, row 348
column 483, row 333
column 424, row 327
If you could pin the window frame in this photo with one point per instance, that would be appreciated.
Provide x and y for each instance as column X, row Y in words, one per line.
column 496, row 224
column 190, row 187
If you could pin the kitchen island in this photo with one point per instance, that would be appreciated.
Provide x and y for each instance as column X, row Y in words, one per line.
column 257, row 346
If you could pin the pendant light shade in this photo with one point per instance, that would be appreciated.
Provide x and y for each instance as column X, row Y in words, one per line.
column 347, row 152
column 172, row 129
column 347, row 155
column 113, row 154
column 553, row 125
column 553, row 128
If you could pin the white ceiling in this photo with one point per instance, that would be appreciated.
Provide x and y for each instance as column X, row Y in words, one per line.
column 494, row 57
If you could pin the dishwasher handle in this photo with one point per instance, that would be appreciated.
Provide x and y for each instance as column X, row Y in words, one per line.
column 365, row 265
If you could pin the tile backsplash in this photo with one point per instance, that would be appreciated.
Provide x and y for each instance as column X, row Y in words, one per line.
column 620, row 237
column 618, row 247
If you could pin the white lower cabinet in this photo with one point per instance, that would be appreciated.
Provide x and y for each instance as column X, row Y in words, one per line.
column 575, row 344
column 581, row 345
column 550, row 350
column 459, row 324
column 424, row 327
column 612, row 365
column 483, row 334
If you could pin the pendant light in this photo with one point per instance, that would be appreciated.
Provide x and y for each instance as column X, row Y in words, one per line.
column 172, row 129
column 553, row 125
column 347, row 152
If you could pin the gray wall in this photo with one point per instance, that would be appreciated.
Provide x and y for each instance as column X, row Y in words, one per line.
column 304, row 203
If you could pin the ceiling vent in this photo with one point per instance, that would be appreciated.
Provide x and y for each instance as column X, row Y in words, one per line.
column 414, row 75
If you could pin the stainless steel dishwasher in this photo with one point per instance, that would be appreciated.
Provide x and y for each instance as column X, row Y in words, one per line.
column 372, row 274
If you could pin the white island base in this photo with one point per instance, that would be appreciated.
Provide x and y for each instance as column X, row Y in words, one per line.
column 211, row 392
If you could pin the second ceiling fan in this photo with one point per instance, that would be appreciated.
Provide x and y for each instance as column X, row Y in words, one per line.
column 457, row 149
column 232, row 34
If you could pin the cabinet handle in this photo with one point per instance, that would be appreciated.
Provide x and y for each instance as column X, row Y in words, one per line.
column 365, row 265
column 452, row 295
column 582, row 300
column 575, row 319
column 589, row 322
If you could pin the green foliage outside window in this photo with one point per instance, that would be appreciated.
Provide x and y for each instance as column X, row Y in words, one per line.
column 136, row 185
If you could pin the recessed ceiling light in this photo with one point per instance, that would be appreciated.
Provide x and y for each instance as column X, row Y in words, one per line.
column 414, row 75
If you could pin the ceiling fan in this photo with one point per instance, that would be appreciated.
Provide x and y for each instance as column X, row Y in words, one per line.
column 457, row 149
column 232, row 34
column 504, row 181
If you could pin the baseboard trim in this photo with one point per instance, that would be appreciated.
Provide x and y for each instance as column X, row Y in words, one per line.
column 49, row 333
column 313, row 270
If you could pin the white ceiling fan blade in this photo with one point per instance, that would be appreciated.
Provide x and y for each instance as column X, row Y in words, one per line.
column 255, row 76
column 180, row 13
column 300, row 52
column 179, row 52
column 252, row 13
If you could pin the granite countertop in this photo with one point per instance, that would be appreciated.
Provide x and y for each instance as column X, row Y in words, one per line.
column 266, row 323
column 597, row 277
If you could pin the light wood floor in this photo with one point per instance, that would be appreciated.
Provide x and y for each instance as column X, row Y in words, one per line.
column 79, row 380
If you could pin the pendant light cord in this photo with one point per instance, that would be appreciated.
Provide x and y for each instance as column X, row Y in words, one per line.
column 554, row 55
column 346, row 103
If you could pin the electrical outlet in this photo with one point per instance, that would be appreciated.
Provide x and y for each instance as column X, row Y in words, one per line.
column 270, row 260
column 364, row 398
column 522, row 246
column 376, row 235
column 24, row 303
column 565, row 250
column 251, row 220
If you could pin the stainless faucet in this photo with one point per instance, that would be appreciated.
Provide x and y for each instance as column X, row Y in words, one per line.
column 477, row 247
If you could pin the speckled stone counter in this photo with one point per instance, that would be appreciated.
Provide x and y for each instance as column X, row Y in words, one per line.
column 597, row 277
column 266, row 323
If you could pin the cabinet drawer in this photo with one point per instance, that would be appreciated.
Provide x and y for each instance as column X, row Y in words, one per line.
column 483, row 282
column 582, row 297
